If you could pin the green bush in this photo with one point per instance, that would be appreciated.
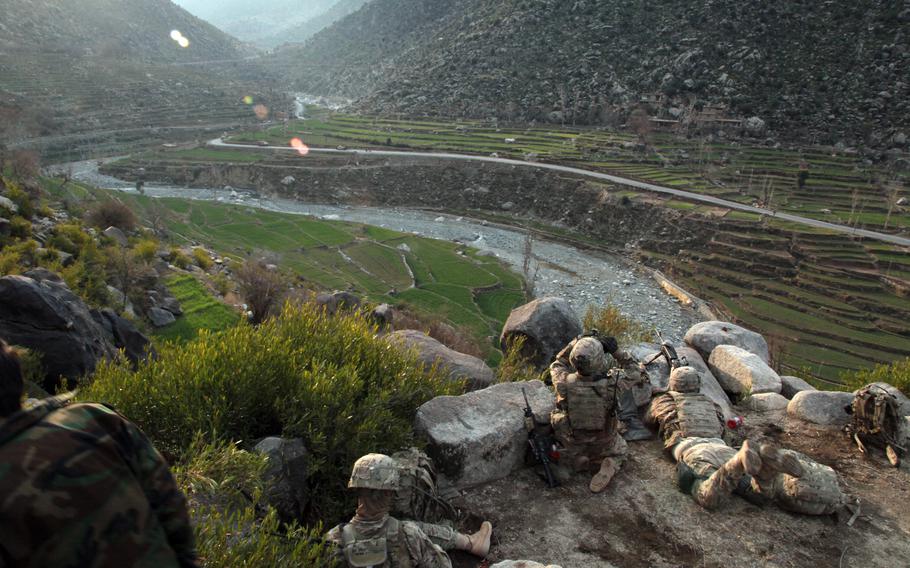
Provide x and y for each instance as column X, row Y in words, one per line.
column 69, row 237
column 611, row 322
column 224, row 486
column 146, row 249
column 87, row 277
column 20, row 228
column 897, row 374
column 330, row 381
column 22, row 199
column 179, row 259
column 202, row 258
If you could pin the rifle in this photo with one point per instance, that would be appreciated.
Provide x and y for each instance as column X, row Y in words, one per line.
column 668, row 352
column 540, row 444
column 609, row 343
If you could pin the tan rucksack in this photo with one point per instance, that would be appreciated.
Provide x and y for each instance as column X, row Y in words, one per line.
column 417, row 497
column 876, row 421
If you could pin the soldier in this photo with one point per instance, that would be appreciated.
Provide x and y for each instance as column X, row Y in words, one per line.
column 82, row 486
column 584, row 420
column 692, row 427
column 373, row 538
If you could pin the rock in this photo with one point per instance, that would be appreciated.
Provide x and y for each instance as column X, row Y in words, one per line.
column 42, row 274
column 903, row 402
column 161, row 318
column 45, row 316
column 8, row 204
column 480, row 436
column 707, row 335
column 755, row 124
column 286, row 476
column 383, row 315
column 827, row 408
column 507, row 206
column 288, row 180
column 741, row 372
column 766, row 402
column 124, row 335
column 338, row 301
column 457, row 365
column 522, row 564
column 900, row 139
column 170, row 304
column 117, row 235
column 792, row 385
column 547, row 324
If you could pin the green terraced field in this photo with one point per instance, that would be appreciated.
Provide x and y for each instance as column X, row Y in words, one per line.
column 201, row 311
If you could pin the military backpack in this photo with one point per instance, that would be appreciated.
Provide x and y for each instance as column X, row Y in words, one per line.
column 876, row 421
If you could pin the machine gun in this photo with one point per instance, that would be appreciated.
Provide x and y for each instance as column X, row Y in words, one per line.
column 541, row 445
column 668, row 352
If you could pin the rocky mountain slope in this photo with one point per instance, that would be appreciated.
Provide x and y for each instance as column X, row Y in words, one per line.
column 303, row 31
column 822, row 72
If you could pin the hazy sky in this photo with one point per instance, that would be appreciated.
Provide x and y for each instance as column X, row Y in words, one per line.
column 231, row 9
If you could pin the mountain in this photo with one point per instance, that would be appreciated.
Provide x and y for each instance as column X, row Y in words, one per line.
column 301, row 32
column 821, row 71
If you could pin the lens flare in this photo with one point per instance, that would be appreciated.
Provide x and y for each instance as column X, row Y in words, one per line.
column 261, row 111
column 181, row 40
column 176, row 35
column 297, row 144
column 247, row 100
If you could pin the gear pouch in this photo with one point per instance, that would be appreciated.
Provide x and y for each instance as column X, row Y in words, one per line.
column 366, row 553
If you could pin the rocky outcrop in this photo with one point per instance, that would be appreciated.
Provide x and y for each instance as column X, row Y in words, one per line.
column 826, row 408
column 286, row 476
column 46, row 317
column 790, row 385
column 766, row 402
column 547, row 325
column 458, row 366
column 480, row 436
column 124, row 335
column 742, row 373
column 707, row 335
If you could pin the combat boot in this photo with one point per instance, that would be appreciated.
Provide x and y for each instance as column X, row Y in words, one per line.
column 601, row 479
column 478, row 543
column 722, row 482
column 628, row 414
column 774, row 461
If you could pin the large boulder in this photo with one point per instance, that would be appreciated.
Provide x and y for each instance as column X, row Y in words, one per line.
column 286, row 476
column 457, row 365
column 480, row 436
column 117, row 236
column 336, row 301
column 124, row 335
column 659, row 374
column 742, row 372
column 46, row 317
column 160, row 317
column 790, row 385
column 903, row 403
column 546, row 324
column 766, row 402
column 707, row 335
column 827, row 408
column 522, row 564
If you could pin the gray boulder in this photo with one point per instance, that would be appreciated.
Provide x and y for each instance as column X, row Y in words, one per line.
column 827, row 408
column 286, row 476
column 659, row 374
column 8, row 204
column 741, row 372
column 480, row 436
column 903, row 402
column 790, row 385
column 45, row 316
column 160, row 318
column 457, row 365
column 522, row 564
column 766, row 402
column 707, row 335
column 117, row 235
column 383, row 315
column 124, row 335
column 547, row 325
column 336, row 301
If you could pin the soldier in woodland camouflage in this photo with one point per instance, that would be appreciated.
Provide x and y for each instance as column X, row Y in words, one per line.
column 692, row 427
column 82, row 486
column 585, row 421
column 373, row 538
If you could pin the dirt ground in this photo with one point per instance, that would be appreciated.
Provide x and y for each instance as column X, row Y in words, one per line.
column 643, row 521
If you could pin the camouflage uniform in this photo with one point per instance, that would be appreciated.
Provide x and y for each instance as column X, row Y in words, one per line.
column 406, row 543
column 584, row 420
column 83, row 487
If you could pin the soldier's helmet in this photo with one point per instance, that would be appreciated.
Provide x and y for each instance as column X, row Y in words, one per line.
column 685, row 379
column 375, row 471
column 588, row 357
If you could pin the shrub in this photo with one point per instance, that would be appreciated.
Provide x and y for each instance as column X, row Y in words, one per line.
column 201, row 256
column 514, row 366
column 20, row 228
column 897, row 374
column 179, row 259
column 112, row 213
column 329, row 381
column 262, row 289
column 22, row 200
column 87, row 277
column 611, row 322
column 455, row 338
column 69, row 237
column 146, row 250
column 221, row 284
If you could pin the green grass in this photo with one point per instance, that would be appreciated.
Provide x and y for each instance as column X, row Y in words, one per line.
column 201, row 311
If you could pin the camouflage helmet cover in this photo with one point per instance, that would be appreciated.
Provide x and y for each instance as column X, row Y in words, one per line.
column 375, row 471
column 685, row 379
column 588, row 357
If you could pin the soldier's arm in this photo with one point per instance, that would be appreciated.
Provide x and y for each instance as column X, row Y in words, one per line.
column 161, row 490
column 424, row 552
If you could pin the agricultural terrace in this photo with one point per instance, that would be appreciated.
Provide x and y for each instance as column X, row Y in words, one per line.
column 838, row 187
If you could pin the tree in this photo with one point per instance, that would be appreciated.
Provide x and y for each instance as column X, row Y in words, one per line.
column 640, row 124
column 262, row 287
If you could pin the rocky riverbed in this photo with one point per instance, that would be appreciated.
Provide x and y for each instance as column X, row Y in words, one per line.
column 583, row 277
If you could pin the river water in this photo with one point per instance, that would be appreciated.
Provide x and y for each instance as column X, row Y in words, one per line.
column 580, row 276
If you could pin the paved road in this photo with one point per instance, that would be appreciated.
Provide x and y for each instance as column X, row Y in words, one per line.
column 600, row 176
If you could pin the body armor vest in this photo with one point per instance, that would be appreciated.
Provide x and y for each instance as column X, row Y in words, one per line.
column 590, row 403
column 696, row 416
column 384, row 551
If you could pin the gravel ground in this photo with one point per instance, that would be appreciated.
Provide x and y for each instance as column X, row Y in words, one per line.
column 582, row 277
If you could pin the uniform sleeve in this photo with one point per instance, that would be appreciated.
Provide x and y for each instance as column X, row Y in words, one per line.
column 560, row 369
column 161, row 490
column 424, row 553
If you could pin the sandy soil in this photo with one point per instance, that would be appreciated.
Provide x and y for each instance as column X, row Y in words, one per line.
column 643, row 521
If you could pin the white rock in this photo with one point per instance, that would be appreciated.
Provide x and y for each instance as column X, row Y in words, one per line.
column 8, row 204
column 741, row 372
column 766, row 402
column 480, row 436
column 707, row 335
column 827, row 408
